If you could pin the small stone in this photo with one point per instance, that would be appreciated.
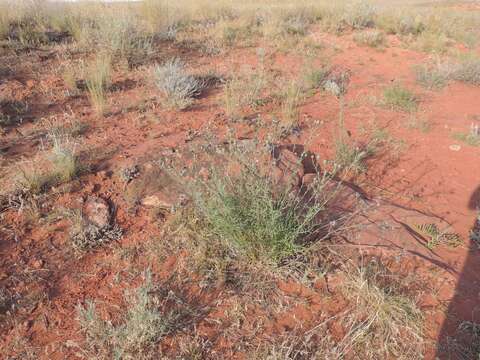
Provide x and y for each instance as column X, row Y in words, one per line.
column 97, row 211
column 157, row 201
column 148, row 166
column 37, row 264
column 455, row 147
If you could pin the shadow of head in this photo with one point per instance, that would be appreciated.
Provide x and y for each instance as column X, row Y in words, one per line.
column 474, row 202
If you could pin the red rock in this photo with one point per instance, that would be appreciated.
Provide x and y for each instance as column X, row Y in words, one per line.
column 288, row 161
column 289, row 170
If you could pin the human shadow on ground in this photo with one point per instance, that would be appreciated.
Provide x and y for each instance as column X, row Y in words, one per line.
column 459, row 338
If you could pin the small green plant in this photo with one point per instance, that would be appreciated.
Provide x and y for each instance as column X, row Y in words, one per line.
column 140, row 328
column 240, row 93
column 64, row 158
column 359, row 14
column 232, row 101
column 177, row 86
column 468, row 71
column 436, row 236
column 117, row 34
column 98, row 81
column 230, row 35
column 222, row 34
column 285, row 26
column 397, row 97
column 69, row 78
column 419, row 123
column 468, row 138
column 349, row 156
column 401, row 24
column 129, row 43
column 432, row 42
column 471, row 138
column 314, row 78
column 129, row 173
column 353, row 15
column 437, row 76
column 32, row 178
column 372, row 38
column 295, row 24
column 232, row 32
column 59, row 165
column 67, row 126
column 433, row 77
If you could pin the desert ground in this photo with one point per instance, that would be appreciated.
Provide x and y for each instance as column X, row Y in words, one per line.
column 240, row 180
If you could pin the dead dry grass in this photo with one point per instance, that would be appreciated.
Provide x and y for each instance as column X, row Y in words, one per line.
column 127, row 31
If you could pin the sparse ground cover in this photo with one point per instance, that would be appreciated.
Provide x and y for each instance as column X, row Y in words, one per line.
column 218, row 180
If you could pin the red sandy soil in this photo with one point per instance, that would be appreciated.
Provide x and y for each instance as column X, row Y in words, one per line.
column 423, row 176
